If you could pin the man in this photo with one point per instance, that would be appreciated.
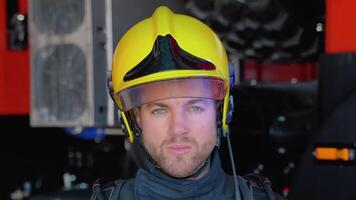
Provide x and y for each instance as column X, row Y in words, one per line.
column 170, row 80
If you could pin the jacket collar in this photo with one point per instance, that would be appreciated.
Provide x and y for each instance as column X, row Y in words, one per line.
column 152, row 183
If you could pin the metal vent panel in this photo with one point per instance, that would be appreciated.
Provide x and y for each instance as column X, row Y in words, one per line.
column 58, row 17
column 61, row 45
column 61, row 82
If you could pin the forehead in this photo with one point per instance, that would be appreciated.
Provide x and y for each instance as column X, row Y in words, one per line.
column 154, row 92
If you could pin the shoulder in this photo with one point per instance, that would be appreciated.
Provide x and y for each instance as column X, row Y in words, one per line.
column 112, row 190
column 258, row 186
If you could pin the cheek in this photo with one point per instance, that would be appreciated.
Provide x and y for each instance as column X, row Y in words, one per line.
column 152, row 130
column 205, row 125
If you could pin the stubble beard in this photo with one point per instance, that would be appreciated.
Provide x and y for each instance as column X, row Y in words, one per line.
column 184, row 165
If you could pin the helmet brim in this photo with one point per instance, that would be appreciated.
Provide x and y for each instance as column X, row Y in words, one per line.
column 195, row 87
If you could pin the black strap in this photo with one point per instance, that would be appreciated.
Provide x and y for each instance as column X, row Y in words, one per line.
column 107, row 190
column 245, row 189
column 256, row 180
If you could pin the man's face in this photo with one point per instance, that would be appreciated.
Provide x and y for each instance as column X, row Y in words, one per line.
column 178, row 133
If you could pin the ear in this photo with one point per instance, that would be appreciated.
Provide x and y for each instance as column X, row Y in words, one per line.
column 110, row 86
column 136, row 113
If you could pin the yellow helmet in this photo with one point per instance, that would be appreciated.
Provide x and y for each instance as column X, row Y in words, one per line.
column 169, row 49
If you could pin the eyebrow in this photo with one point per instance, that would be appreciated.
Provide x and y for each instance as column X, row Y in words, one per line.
column 155, row 104
column 193, row 101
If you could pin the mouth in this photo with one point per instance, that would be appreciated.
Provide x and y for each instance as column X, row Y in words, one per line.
column 179, row 149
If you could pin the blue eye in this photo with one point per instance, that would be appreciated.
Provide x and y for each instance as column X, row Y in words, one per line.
column 158, row 111
column 196, row 109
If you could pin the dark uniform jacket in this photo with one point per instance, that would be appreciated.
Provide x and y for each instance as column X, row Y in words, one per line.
column 152, row 184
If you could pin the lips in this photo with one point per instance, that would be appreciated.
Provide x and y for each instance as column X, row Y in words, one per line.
column 179, row 149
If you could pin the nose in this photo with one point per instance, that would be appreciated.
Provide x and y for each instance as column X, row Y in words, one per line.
column 178, row 123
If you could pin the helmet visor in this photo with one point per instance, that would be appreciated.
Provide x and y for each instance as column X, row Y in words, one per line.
column 211, row 88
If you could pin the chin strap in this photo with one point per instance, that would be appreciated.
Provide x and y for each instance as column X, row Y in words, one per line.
column 226, row 134
column 237, row 191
